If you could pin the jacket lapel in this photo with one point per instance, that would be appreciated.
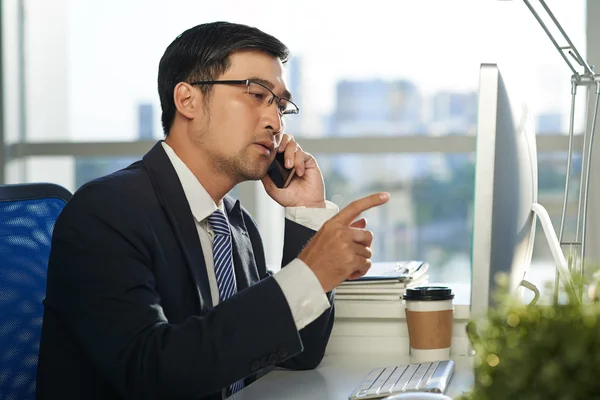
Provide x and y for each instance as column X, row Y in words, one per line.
column 172, row 198
column 244, row 263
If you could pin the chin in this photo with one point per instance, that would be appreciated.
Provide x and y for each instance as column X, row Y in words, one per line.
column 253, row 169
column 254, row 175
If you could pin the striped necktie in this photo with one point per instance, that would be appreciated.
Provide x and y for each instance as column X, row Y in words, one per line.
column 223, row 260
column 222, row 255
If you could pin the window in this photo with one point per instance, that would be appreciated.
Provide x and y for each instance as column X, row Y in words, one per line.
column 390, row 70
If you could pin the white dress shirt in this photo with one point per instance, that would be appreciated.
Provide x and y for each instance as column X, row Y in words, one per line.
column 300, row 286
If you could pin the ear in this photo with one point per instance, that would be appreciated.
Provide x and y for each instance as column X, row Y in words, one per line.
column 186, row 100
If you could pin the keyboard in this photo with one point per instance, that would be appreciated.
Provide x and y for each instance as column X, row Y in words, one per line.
column 422, row 377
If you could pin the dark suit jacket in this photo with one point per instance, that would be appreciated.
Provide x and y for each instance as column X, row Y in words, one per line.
column 128, row 310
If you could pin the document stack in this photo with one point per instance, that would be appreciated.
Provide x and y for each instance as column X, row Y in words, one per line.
column 384, row 281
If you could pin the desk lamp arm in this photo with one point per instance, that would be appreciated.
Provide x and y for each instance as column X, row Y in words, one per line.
column 569, row 48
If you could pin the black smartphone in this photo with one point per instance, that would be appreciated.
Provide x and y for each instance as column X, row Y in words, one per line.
column 279, row 174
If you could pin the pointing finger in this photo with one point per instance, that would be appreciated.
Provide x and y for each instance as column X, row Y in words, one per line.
column 354, row 209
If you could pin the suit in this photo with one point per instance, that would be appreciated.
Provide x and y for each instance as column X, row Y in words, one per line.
column 128, row 310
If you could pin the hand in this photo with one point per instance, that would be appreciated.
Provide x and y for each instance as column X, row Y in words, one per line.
column 307, row 187
column 341, row 249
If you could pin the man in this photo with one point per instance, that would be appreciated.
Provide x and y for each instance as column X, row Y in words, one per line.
column 157, row 281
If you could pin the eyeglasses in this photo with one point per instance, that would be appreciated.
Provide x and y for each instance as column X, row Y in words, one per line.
column 261, row 93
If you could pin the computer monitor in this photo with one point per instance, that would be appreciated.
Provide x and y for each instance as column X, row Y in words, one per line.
column 506, row 186
column 506, row 194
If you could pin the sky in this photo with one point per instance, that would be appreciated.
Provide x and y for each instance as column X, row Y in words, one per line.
column 114, row 46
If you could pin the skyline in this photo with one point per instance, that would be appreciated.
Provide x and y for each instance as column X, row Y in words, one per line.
column 108, row 71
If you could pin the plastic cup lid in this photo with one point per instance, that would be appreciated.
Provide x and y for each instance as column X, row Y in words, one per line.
column 429, row 293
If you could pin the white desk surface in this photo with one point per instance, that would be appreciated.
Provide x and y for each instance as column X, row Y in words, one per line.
column 337, row 376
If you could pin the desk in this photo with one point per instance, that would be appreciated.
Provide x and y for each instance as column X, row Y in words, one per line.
column 337, row 376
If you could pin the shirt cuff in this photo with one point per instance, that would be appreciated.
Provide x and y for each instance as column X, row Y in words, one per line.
column 312, row 218
column 303, row 292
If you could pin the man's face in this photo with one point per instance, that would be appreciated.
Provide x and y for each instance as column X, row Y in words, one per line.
column 238, row 132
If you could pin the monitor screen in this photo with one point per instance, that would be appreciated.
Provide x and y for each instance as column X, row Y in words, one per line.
column 505, row 189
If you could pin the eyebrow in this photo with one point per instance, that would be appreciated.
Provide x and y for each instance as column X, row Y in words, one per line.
column 286, row 94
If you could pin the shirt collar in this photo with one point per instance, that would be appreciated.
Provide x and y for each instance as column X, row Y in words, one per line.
column 201, row 204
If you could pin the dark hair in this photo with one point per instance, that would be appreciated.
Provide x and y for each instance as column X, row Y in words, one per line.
column 202, row 53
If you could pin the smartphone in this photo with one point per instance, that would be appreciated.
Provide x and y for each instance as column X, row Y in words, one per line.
column 279, row 174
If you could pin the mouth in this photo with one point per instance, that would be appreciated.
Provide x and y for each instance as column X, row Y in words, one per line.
column 266, row 146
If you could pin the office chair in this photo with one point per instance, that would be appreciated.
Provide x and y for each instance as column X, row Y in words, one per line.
column 27, row 216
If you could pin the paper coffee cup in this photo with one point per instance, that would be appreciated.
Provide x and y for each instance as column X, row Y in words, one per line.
column 429, row 317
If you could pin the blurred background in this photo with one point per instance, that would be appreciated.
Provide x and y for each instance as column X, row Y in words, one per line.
column 387, row 92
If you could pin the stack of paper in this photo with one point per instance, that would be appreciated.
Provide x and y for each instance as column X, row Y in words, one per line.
column 385, row 281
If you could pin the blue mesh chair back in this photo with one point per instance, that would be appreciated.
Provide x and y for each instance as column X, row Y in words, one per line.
column 27, row 216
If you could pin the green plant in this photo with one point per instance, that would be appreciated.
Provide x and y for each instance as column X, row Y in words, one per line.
column 537, row 352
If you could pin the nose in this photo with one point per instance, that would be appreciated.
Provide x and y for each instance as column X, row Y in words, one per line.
column 272, row 119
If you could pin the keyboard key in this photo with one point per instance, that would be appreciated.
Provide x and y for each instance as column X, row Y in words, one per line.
column 417, row 377
column 427, row 375
column 441, row 377
column 366, row 383
column 394, row 378
column 406, row 376
column 380, row 381
column 371, row 378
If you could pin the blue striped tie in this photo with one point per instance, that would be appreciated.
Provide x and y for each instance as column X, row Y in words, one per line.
column 222, row 255
column 223, row 260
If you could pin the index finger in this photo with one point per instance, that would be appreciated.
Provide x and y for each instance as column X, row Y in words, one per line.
column 349, row 213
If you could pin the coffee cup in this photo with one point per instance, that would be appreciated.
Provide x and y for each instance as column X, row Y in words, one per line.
column 429, row 317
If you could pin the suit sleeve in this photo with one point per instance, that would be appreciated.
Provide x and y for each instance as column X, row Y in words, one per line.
column 315, row 335
column 102, row 286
